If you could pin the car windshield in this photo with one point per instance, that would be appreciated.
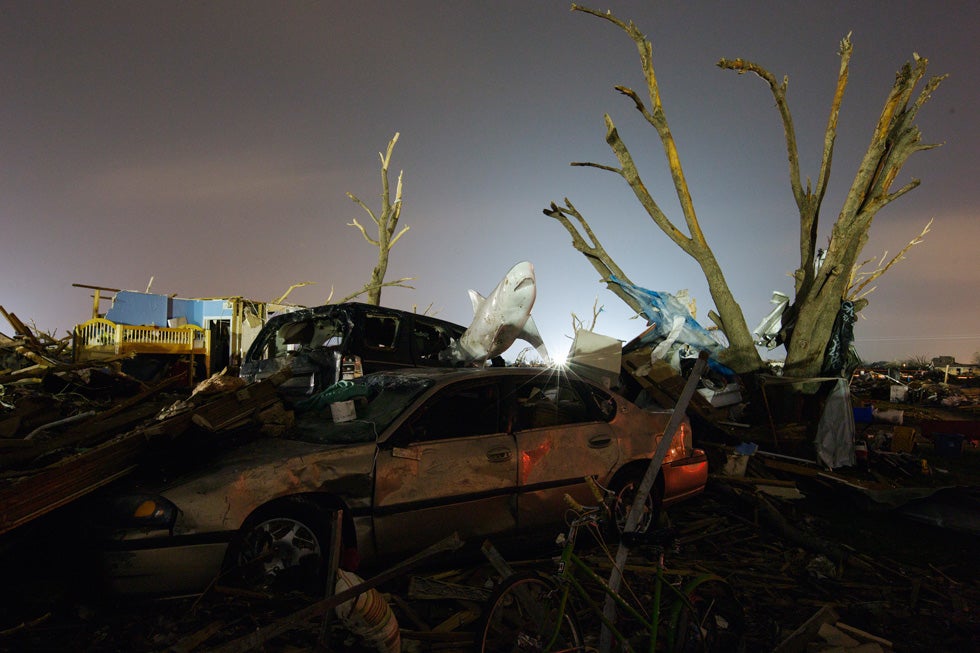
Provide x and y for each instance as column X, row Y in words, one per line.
column 378, row 400
column 311, row 333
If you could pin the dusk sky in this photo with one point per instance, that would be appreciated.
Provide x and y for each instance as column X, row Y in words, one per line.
column 209, row 146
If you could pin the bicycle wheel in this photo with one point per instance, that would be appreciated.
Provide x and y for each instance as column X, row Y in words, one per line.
column 712, row 621
column 522, row 615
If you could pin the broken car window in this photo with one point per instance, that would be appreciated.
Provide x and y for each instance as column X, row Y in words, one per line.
column 544, row 402
column 429, row 339
column 380, row 331
column 600, row 401
column 302, row 335
column 385, row 397
column 458, row 412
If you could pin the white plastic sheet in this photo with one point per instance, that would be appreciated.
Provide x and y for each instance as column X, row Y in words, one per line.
column 835, row 431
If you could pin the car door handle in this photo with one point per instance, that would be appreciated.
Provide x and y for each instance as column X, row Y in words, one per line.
column 599, row 441
column 498, row 455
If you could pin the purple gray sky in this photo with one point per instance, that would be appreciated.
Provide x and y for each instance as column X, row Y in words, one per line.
column 209, row 145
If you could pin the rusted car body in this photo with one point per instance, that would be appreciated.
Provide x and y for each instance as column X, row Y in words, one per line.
column 432, row 451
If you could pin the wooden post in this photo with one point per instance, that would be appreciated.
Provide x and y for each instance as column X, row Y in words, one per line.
column 772, row 424
column 330, row 588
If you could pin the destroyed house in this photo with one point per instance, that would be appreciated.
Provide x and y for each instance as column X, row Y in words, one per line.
column 206, row 334
column 962, row 370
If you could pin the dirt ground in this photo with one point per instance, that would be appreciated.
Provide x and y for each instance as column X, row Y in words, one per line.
column 911, row 584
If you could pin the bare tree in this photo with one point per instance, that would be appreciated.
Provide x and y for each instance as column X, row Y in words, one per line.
column 386, row 224
column 917, row 362
column 819, row 289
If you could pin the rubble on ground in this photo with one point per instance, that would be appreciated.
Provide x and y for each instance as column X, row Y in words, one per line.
column 783, row 529
column 797, row 595
column 67, row 429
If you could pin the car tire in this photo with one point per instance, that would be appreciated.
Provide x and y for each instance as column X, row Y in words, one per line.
column 624, row 490
column 283, row 547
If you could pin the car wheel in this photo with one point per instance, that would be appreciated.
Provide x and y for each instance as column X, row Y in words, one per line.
column 283, row 547
column 625, row 492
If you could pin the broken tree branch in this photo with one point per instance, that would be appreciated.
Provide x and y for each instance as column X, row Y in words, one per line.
column 386, row 225
column 854, row 290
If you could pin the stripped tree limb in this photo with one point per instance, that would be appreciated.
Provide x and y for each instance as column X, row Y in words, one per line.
column 578, row 324
column 855, row 290
column 386, row 225
column 741, row 354
column 821, row 288
column 822, row 279
column 369, row 288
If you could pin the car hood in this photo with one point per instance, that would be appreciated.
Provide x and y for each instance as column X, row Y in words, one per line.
column 221, row 495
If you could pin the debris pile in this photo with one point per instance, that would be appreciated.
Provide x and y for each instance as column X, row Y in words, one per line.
column 784, row 530
column 67, row 429
column 806, row 580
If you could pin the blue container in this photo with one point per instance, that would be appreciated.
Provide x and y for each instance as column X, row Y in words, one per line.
column 948, row 444
column 863, row 415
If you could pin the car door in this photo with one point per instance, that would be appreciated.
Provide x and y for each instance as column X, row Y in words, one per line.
column 561, row 437
column 451, row 466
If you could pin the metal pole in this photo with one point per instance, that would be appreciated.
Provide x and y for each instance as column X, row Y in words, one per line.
column 616, row 574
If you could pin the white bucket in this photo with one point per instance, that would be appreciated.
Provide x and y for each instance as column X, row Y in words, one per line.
column 898, row 394
column 368, row 616
column 892, row 416
column 343, row 411
column 736, row 464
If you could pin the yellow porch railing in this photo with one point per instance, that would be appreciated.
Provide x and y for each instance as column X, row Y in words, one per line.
column 101, row 338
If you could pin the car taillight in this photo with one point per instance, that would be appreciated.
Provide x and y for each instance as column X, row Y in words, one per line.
column 350, row 368
column 682, row 444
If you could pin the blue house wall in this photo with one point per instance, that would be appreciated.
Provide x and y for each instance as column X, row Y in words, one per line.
column 188, row 309
column 137, row 309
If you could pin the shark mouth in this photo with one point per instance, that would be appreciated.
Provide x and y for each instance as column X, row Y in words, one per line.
column 526, row 281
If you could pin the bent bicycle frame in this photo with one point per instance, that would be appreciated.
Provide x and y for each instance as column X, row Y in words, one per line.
column 566, row 579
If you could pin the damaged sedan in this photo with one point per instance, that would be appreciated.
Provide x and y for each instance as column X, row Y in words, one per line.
column 415, row 455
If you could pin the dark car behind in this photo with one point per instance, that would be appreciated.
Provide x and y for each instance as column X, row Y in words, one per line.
column 329, row 343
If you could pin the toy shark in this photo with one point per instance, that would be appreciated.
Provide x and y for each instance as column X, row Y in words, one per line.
column 499, row 320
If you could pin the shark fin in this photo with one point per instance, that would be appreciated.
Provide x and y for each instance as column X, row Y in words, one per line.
column 477, row 299
column 531, row 335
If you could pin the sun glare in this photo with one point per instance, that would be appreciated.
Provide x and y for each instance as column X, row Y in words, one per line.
column 559, row 359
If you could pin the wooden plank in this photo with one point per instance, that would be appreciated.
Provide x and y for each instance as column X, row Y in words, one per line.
column 421, row 587
column 863, row 636
column 793, row 468
column 39, row 492
column 235, row 406
column 21, row 329
column 36, row 493
column 67, row 480
column 799, row 638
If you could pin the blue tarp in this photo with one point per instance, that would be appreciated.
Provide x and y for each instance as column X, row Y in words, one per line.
column 671, row 320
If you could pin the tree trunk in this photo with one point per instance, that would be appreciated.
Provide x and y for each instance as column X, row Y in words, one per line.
column 820, row 287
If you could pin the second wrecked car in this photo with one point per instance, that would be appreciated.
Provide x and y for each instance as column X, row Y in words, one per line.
column 334, row 342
